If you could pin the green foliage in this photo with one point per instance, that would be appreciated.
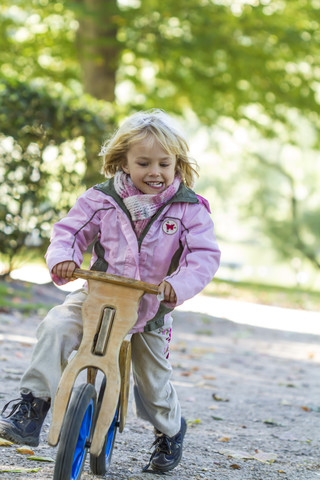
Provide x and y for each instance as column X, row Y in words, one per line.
column 249, row 64
column 42, row 161
column 287, row 203
column 218, row 58
column 249, row 61
column 37, row 40
column 267, row 294
column 19, row 298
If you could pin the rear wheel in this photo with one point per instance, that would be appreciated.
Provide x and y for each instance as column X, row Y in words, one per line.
column 76, row 434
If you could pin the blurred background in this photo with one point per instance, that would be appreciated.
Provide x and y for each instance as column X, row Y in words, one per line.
column 242, row 77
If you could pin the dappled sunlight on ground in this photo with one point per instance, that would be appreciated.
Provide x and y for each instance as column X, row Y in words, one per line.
column 276, row 346
column 300, row 321
column 17, row 339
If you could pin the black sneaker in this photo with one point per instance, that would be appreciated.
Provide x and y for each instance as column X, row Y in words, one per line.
column 23, row 424
column 168, row 450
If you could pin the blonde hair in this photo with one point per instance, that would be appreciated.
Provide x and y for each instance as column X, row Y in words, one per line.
column 140, row 126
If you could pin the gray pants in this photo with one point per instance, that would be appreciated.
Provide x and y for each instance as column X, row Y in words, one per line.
column 60, row 333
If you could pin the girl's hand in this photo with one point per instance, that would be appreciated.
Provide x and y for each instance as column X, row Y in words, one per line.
column 168, row 292
column 64, row 269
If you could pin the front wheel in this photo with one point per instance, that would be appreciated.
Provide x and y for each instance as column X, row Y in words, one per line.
column 100, row 464
column 76, row 433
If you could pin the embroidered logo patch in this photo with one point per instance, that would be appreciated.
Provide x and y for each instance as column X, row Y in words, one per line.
column 170, row 227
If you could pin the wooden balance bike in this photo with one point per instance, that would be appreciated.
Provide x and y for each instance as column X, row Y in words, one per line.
column 83, row 419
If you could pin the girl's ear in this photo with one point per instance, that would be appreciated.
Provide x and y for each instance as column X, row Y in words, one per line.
column 125, row 168
column 178, row 168
column 124, row 165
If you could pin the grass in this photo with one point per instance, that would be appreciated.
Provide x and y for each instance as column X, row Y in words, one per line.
column 6, row 290
column 288, row 297
column 19, row 299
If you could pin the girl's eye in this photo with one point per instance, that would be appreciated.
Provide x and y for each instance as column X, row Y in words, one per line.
column 164, row 165
column 142, row 164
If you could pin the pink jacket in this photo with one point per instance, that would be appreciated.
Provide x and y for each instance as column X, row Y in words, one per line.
column 178, row 245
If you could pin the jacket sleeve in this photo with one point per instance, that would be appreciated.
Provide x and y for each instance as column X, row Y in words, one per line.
column 73, row 234
column 200, row 257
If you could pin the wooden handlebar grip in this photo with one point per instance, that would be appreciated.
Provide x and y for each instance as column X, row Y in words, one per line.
column 116, row 280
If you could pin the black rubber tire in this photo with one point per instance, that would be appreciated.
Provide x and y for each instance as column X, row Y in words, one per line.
column 100, row 465
column 76, row 433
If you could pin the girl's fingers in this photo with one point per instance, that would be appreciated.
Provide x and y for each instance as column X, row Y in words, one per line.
column 70, row 269
column 168, row 292
column 64, row 269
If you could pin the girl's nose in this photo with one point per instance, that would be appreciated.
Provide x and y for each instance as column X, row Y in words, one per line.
column 154, row 170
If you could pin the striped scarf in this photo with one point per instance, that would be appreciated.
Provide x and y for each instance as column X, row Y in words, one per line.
column 140, row 205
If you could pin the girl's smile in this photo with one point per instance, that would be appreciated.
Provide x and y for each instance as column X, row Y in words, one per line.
column 151, row 168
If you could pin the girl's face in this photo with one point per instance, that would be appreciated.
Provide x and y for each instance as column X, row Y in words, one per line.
column 150, row 167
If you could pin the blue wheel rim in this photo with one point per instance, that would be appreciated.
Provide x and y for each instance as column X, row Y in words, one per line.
column 110, row 436
column 84, row 433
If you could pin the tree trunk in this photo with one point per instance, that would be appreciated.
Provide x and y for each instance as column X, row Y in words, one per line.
column 99, row 52
column 98, row 47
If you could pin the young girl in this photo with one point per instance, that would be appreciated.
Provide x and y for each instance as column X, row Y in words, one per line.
column 147, row 224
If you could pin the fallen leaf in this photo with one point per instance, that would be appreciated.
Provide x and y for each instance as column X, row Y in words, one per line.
column 193, row 422
column 5, row 443
column 6, row 468
column 265, row 457
column 223, row 439
column 216, row 418
column 233, row 454
column 272, row 423
column 41, row 459
column 209, row 377
column 235, row 466
column 306, row 409
column 219, row 399
column 25, row 450
column 213, row 407
column 185, row 374
column 14, row 371
column 260, row 456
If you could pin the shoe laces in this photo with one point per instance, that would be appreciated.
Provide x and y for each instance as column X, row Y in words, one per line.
column 24, row 408
column 163, row 443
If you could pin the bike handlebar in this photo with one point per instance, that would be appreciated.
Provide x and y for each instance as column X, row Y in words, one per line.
column 116, row 280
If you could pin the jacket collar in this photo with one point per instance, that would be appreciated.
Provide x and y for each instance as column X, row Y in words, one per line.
column 108, row 189
column 184, row 194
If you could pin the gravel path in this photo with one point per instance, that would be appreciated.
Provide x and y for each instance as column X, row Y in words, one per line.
column 250, row 396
